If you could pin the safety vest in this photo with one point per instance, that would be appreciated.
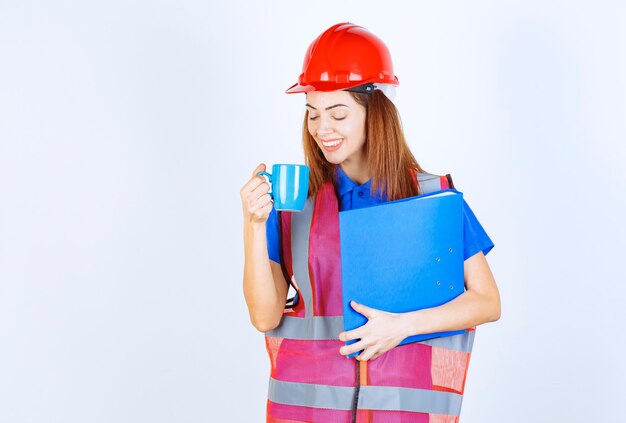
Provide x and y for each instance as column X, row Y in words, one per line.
column 310, row 381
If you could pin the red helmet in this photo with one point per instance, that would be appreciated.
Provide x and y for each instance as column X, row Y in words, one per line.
column 344, row 56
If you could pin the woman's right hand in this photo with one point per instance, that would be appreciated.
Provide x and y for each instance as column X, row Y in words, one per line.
column 255, row 200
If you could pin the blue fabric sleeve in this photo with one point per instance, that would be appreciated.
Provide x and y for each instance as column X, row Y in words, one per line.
column 271, row 229
column 475, row 239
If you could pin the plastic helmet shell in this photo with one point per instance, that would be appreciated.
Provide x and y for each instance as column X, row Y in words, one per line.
column 344, row 56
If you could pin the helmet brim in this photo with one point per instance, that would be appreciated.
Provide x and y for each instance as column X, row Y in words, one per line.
column 333, row 86
column 297, row 88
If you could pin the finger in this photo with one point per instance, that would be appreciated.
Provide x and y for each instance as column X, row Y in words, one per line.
column 267, row 209
column 352, row 348
column 261, row 203
column 261, row 189
column 351, row 334
column 363, row 309
column 366, row 354
column 375, row 356
column 254, row 182
column 259, row 168
column 256, row 179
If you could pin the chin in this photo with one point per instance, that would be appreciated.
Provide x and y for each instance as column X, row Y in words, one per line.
column 333, row 160
column 333, row 157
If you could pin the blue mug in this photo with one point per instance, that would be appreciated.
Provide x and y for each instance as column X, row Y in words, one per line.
column 289, row 186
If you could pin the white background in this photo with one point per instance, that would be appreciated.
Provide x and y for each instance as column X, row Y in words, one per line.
column 128, row 127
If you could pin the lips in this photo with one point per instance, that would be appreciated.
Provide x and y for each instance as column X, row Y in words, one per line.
column 332, row 144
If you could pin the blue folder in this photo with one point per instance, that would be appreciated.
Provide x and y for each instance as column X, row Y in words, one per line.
column 402, row 256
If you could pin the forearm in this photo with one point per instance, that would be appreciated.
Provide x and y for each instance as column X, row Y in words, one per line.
column 265, row 301
column 480, row 303
column 469, row 309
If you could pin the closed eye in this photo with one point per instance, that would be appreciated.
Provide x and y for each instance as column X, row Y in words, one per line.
column 336, row 118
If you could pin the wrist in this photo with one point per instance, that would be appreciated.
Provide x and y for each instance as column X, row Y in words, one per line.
column 253, row 226
column 411, row 324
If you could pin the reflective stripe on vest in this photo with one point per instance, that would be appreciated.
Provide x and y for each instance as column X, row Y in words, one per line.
column 450, row 355
column 429, row 183
column 300, row 228
column 319, row 328
column 370, row 398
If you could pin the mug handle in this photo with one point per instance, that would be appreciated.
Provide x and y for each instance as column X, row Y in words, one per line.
column 269, row 180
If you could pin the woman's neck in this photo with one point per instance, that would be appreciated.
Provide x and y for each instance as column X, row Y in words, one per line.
column 359, row 174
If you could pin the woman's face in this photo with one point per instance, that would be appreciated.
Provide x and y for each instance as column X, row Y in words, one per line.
column 337, row 123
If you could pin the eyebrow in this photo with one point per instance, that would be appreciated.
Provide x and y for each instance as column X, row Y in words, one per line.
column 328, row 108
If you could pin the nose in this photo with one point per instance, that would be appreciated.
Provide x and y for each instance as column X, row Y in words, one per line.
column 323, row 132
column 325, row 126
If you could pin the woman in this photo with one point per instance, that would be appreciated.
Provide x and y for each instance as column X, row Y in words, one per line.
column 358, row 156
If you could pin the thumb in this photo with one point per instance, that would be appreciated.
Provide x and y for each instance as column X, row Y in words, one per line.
column 259, row 168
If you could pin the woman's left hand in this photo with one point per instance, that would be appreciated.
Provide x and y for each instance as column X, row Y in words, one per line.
column 382, row 332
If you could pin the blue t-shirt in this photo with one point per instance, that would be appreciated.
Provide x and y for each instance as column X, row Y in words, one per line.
column 355, row 196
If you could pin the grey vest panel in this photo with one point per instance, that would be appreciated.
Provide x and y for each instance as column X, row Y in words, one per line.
column 428, row 183
column 300, row 230
column 409, row 399
column 316, row 328
column 329, row 327
column 370, row 398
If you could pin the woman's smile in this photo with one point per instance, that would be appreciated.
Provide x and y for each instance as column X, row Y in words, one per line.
column 332, row 144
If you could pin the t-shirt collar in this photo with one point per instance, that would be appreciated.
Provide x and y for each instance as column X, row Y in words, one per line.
column 345, row 184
